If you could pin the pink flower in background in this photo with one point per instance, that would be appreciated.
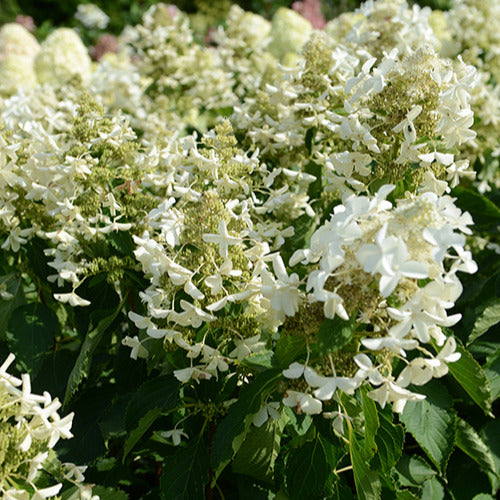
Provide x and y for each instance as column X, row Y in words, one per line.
column 311, row 10
column 26, row 21
column 107, row 43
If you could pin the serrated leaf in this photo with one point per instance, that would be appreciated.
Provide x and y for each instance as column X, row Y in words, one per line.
column 405, row 495
column 185, row 473
column 432, row 488
column 367, row 481
column 92, row 340
column 142, row 426
column 14, row 287
column 259, row 450
column 160, row 392
column 371, row 422
column 472, row 378
column 122, row 241
column 469, row 441
column 232, row 430
column 30, row 334
column 413, row 471
column 335, row 333
column 389, row 441
column 492, row 371
column 300, row 423
column 433, row 428
column 485, row 213
column 288, row 348
column 307, row 471
column 260, row 360
column 487, row 315
column 105, row 493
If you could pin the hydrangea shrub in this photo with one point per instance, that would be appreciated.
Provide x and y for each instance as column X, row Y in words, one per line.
column 261, row 264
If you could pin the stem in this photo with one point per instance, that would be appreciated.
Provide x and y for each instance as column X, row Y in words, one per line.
column 220, row 492
column 344, row 469
column 209, row 490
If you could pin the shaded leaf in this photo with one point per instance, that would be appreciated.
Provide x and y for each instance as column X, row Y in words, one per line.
column 469, row 441
column 288, row 349
column 335, row 333
column 14, row 287
column 160, row 392
column 30, row 334
column 472, row 378
column 232, row 430
column 432, row 489
column 142, row 426
column 413, row 471
column 389, row 441
column 105, row 493
column 492, row 371
column 307, row 471
column 367, row 481
column 487, row 315
column 433, row 428
column 185, row 473
column 485, row 213
column 259, row 450
column 371, row 422
column 92, row 340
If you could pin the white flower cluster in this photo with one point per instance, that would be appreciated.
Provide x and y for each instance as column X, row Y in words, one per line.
column 24, row 62
column 368, row 241
column 30, row 428
column 91, row 16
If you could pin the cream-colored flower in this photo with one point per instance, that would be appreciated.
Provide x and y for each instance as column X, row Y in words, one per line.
column 63, row 56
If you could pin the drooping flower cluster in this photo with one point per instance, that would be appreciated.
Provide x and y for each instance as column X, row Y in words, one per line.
column 30, row 428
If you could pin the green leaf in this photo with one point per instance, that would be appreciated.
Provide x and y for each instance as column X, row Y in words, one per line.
column 160, row 392
column 143, row 425
column 335, row 333
column 413, row 471
column 299, row 423
column 232, row 430
column 433, row 428
column 371, row 422
column 307, row 471
column 367, row 481
column 485, row 213
column 14, row 286
column 121, row 241
column 108, row 493
column 185, row 473
column 405, row 495
column 472, row 378
column 389, row 441
column 432, row 489
column 469, row 441
column 487, row 315
column 492, row 371
column 250, row 489
column 288, row 349
column 30, row 334
column 260, row 360
column 92, row 340
column 315, row 188
column 259, row 450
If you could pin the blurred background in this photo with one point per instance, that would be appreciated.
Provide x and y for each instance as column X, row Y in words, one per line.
column 47, row 14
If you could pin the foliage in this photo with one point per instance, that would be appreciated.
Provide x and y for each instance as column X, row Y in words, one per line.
column 259, row 259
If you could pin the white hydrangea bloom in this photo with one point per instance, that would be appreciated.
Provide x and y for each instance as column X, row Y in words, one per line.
column 61, row 57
